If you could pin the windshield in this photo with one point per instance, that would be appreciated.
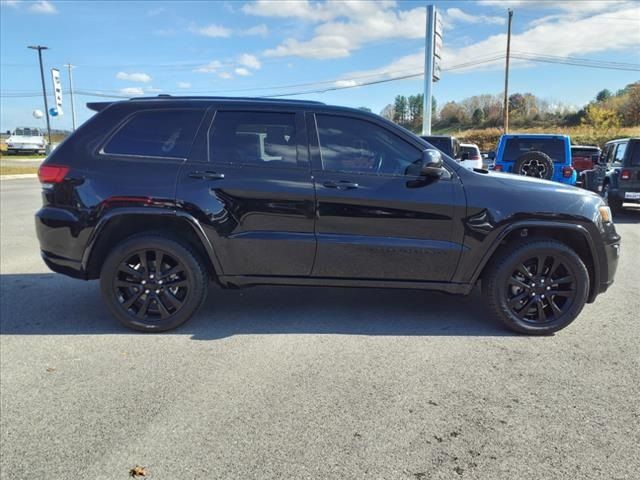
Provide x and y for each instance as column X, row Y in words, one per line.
column 516, row 147
column 26, row 132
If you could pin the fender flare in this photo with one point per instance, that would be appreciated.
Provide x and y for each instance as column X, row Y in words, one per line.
column 595, row 255
column 146, row 211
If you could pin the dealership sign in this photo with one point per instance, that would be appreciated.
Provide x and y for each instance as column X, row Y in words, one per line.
column 57, row 92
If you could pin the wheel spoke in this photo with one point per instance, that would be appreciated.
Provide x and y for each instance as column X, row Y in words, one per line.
column 526, row 306
column 132, row 300
column 159, row 257
column 540, row 265
column 540, row 306
column 561, row 280
column 171, row 299
column 164, row 313
column 127, row 283
column 561, row 293
column 522, row 268
column 144, row 308
column 176, row 283
column 143, row 261
column 515, row 301
column 552, row 267
column 518, row 283
column 172, row 271
column 129, row 270
column 554, row 307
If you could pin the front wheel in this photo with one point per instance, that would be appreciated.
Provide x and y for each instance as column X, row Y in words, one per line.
column 537, row 288
column 152, row 283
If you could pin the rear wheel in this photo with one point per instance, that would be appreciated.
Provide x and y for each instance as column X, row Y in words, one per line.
column 537, row 288
column 152, row 283
column 614, row 203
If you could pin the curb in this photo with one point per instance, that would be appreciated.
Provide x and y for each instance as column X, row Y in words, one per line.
column 18, row 176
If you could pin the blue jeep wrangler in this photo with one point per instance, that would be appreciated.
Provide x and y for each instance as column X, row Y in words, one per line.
column 536, row 155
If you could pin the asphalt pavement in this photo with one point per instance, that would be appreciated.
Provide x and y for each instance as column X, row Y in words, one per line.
column 318, row 383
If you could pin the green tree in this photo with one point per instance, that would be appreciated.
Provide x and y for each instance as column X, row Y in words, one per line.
column 365, row 109
column 400, row 109
column 478, row 117
column 603, row 95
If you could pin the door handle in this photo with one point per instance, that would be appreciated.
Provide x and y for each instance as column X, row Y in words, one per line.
column 341, row 185
column 206, row 175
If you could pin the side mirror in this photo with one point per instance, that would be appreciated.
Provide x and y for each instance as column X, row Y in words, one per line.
column 464, row 156
column 9, row 132
column 491, row 155
column 431, row 163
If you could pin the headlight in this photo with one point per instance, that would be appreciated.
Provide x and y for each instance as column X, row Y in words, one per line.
column 605, row 213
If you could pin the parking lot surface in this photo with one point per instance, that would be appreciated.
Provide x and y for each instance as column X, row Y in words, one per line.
column 321, row 383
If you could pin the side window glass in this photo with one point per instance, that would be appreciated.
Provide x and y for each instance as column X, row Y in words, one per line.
column 254, row 138
column 620, row 151
column 157, row 133
column 357, row 146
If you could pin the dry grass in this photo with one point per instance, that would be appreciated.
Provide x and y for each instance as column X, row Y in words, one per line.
column 13, row 170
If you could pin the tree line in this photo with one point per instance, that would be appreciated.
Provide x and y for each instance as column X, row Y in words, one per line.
column 607, row 110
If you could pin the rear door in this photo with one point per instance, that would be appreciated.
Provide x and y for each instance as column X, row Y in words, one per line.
column 249, row 184
column 630, row 174
column 376, row 218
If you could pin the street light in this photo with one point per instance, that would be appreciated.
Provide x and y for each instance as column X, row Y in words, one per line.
column 39, row 48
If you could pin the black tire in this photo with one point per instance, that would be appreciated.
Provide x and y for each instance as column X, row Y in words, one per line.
column 534, row 164
column 524, row 300
column 151, row 298
column 614, row 203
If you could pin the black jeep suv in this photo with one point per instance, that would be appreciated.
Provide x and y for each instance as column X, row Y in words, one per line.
column 158, row 196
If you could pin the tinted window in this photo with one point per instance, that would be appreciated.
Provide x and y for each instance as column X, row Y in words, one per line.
column 516, row 147
column 634, row 160
column 441, row 143
column 351, row 145
column 254, row 138
column 584, row 152
column 157, row 133
column 620, row 150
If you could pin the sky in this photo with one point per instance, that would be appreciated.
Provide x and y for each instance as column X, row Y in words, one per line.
column 260, row 48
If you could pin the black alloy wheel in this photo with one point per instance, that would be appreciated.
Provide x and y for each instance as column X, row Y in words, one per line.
column 541, row 289
column 534, row 168
column 153, row 283
column 536, row 287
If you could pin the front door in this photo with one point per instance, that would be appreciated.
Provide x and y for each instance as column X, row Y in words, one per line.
column 252, row 192
column 377, row 218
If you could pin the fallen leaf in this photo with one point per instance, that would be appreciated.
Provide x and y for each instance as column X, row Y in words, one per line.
column 138, row 471
column 51, row 369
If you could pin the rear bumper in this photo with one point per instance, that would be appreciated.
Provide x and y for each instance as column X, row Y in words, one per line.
column 624, row 194
column 62, row 241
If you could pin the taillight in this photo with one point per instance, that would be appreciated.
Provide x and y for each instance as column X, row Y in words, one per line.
column 52, row 173
column 625, row 175
column 567, row 172
column 497, row 168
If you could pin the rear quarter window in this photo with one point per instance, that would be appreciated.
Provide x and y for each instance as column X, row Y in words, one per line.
column 156, row 133
column 634, row 158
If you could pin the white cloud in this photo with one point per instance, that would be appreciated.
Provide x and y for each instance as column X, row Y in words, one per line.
column 213, row 31
column 132, row 91
column 210, row 67
column 455, row 15
column 134, row 77
column 351, row 25
column 242, row 72
column 155, row 11
column 566, row 5
column 249, row 61
column 346, row 83
column 302, row 9
column 184, row 85
column 564, row 37
column 225, row 75
column 10, row 3
column 260, row 30
column 43, row 6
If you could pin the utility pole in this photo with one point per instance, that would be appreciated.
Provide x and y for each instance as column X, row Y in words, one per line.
column 505, row 108
column 39, row 48
column 428, row 69
column 73, row 107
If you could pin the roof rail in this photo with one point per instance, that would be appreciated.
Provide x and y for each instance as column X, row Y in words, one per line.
column 164, row 96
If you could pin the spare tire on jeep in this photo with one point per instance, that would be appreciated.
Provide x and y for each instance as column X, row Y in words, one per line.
column 534, row 164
